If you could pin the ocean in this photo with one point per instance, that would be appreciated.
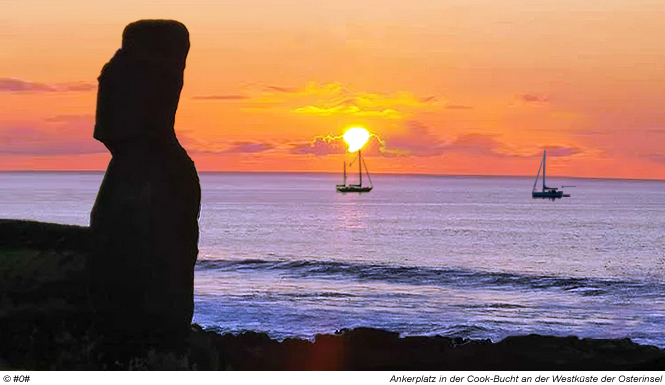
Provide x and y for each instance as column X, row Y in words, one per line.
column 471, row 257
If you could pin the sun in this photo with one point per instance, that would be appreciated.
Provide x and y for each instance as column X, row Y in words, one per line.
column 356, row 138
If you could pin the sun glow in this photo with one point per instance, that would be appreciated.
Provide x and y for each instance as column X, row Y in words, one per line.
column 356, row 138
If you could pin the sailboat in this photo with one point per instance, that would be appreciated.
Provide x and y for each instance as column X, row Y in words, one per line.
column 356, row 188
column 551, row 193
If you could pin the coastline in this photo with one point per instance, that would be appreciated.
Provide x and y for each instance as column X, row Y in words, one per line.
column 44, row 325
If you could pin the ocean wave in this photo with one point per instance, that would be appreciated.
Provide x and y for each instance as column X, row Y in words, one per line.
column 433, row 276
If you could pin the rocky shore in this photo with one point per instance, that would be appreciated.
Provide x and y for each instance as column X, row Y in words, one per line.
column 45, row 325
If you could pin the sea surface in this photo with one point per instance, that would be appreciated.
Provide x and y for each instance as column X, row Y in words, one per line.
column 472, row 257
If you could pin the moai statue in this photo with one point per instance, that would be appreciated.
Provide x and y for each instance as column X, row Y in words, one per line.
column 145, row 219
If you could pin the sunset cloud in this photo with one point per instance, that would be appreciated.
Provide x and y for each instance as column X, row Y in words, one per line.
column 12, row 85
column 426, row 145
column 249, row 147
column 60, row 135
column 317, row 89
column 416, row 141
column 221, row 97
column 75, row 87
column 419, row 141
column 197, row 145
column 388, row 113
column 561, row 151
column 17, row 85
column 342, row 100
column 82, row 119
column 488, row 145
column 280, row 89
column 476, row 145
column 458, row 107
column 533, row 98
column 320, row 146
column 336, row 99
column 657, row 158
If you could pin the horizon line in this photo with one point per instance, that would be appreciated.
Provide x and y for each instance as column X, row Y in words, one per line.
column 333, row 173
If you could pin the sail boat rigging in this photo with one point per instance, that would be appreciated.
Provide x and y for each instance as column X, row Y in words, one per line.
column 356, row 188
column 551, row 193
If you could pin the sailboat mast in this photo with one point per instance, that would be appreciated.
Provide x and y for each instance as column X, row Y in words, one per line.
column 544, row 167
column 360, row 169
column 344, row 173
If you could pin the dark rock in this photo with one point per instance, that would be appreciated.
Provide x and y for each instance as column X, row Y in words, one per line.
column 375, row 349
column 367, row 335
column 43, row 295
column 42, row 235
column 145, row 219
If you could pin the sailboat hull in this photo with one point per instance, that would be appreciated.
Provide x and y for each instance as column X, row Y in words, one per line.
column 353, row 188
column 548, row 194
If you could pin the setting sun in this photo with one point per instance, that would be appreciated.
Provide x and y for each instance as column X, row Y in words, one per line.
column 356, row 138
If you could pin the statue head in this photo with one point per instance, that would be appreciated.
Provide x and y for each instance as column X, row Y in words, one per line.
column 157, row 41
column 139, row 88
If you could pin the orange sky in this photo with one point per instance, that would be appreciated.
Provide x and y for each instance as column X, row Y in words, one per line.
column 451, row 87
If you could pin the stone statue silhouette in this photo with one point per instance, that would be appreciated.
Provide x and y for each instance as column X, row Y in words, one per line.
column 145, row 219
